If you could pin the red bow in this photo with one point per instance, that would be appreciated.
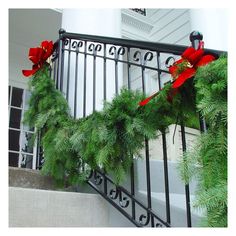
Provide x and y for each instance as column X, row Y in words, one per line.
column 184, row 69
column 38, row 56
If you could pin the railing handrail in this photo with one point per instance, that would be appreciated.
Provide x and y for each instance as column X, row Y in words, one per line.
column 145, row 45
column 70, row 61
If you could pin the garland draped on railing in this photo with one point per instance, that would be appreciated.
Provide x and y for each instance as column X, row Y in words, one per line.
column 109, row 139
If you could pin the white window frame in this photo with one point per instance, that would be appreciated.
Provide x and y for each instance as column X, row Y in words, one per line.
column 21, row 130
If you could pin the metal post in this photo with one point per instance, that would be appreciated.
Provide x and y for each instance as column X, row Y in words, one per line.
column 60, row 60
column 187, row 191
column 195, row 38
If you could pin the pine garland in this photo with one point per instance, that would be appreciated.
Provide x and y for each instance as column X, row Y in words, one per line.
column 207, row 162
column 109, row 139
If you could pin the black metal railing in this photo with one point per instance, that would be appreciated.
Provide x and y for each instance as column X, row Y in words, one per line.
column 90, row 69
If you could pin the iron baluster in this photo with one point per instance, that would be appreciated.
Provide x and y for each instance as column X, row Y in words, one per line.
column 166, row 177
column 187, row 192
column 60, row 60
column 76, row 80
column 158, row 71
column 195, row 38
column 128, row 68
column 68, row 71
column 104, row 73
column 132, row 188
column 85, row 67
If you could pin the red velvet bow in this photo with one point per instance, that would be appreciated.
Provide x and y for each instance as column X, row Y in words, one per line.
column 183, row 69
column 38, row 56
column 186, row 67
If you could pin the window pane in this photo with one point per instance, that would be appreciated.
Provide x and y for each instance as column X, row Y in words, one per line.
column 13, row 159
column 26, row 142
column 27, row 97
column 14, row 140
column 27, row 128
column 15, row 118
column 17, row 95
column 26, row 161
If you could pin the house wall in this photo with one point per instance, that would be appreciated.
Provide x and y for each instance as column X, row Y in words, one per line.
column 171, row 26
column 28, row 28
column 17, row 62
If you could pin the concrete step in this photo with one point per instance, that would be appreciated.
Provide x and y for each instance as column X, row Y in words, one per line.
column 47, row 208
column 28, row 178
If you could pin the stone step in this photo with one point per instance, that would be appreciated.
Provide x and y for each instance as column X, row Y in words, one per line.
column 47, row 208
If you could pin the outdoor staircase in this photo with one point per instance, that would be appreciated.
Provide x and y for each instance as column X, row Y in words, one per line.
column 138, row 200
column 34, row 201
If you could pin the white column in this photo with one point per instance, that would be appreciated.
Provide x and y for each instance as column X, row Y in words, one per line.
column 213, row 24
column 101, row 22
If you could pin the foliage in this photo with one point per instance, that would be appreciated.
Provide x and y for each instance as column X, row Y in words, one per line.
column 208, row 161
column 109, row 139
column 50, row 115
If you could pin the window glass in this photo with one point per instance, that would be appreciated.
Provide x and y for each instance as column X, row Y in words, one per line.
column 13, row 159
column 26, row 161
column 15, row 118
column 21, row 151
column 17, row 95
column 27, row 128
column 26, row 142
column 27, row 97
column 14, row 140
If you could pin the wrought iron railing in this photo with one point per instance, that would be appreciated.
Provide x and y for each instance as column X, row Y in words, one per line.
column 110, row 63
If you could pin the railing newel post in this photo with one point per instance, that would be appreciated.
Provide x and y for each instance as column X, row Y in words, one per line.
column 60, row 59
column 196, row 38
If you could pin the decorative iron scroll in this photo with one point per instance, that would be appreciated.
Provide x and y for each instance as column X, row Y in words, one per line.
column 142, row 59
column 121, row 199
column 116, row 52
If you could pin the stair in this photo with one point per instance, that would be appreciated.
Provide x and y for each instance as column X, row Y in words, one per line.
column 34, row 201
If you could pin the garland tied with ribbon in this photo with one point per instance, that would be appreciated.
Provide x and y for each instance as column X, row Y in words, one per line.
column 108, row 139
column 184, row 69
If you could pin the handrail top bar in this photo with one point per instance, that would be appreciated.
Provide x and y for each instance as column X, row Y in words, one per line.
column 160, row 47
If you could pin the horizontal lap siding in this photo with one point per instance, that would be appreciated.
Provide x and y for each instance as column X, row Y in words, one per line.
column 171, row 26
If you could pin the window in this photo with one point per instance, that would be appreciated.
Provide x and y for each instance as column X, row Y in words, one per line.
column 21, row 152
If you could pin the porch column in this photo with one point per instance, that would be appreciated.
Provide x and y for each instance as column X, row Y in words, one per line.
column 213, row 24
column 101, row 22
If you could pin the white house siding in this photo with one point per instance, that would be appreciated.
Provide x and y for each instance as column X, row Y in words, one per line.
column 171, row 26
column 28, row 28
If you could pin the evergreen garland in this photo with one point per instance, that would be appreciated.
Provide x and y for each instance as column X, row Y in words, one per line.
column 207, row 162
column 50, row 113
column 109, row 139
